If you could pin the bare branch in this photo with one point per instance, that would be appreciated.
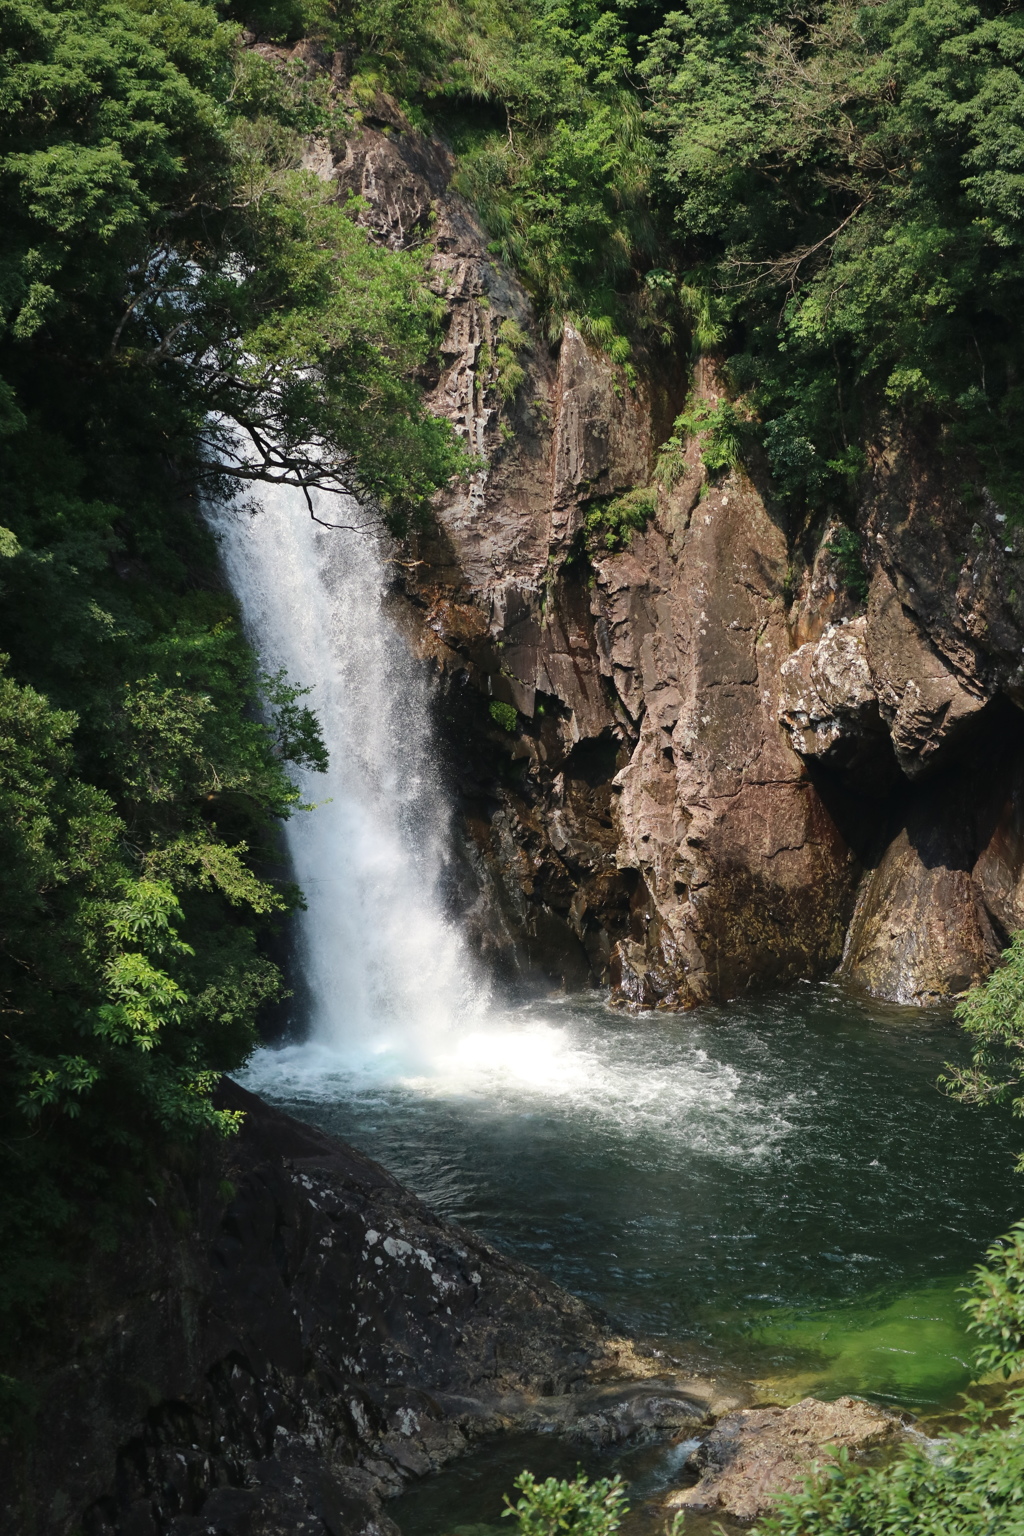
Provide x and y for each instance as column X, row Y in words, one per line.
column 785, row 268
column 301, row 470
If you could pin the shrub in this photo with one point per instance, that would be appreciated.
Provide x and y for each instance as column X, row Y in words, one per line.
column 992, row 1014
column 581, row 1507
column 996, row 1305
column 847, row 548
column 612, row 525
column 972, row 1486
column 505, row 715
column 512, row 339
column 716, row 426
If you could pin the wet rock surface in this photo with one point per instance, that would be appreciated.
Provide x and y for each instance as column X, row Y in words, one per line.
column 753, row 1457
column 286, row 1340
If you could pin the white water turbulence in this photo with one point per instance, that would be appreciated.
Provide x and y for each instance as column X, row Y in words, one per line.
column 397, row 1001
column 387, row 973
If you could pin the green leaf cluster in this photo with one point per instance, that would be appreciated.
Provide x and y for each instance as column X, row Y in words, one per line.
column 846, row 547
column 505, row 715
column 717, row 425
column 845, row 183
column 579, row 1507
column 159, row 230
column 996, row 1305
column 992, row 1015
column 972, row 1484
column 611, row 524
column 512, row 340
column 825, row 194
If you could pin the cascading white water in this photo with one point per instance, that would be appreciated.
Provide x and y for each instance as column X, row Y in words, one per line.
column 395, row 995
column 389, row 976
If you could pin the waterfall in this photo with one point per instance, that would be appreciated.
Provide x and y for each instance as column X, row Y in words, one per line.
column 396, row 999
column 388, row 974
column 395, row 996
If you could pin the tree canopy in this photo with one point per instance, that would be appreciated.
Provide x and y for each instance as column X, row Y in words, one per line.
column 825, row 194
column 183, row 308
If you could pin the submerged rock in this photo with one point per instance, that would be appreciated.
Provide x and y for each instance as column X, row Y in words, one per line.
column 753, row 1457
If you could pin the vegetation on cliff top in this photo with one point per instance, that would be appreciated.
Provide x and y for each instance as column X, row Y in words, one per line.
column 845, row 185
column 825, row 194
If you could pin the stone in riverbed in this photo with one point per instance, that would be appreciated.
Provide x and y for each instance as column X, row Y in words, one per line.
column 753, row 1457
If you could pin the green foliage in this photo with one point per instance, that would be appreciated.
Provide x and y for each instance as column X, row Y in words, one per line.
column 505, row 715
column 512, row 340
column 285, row 21
column 183, row 309
column 537, row 100
column 992, row 1014
column 996, row 1305
column 973, row 1486
column 158, row 226
column 847, row 549
column 717, row 426
column 581, row 1507
column 611, row 525
column 845, row 182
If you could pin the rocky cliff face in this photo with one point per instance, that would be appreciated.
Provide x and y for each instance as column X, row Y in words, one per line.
column 728, row 770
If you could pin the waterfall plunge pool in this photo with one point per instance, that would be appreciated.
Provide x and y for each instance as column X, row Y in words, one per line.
column 775, row 1185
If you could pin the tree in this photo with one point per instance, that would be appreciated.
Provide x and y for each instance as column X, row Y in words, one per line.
column 183, row 309
column 845, row 182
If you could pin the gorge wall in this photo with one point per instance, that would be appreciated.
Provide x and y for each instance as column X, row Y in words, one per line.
column 729, row 768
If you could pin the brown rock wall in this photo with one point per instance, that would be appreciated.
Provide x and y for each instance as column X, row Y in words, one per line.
column 759, row 730
column 718, row 813
column 942, row 645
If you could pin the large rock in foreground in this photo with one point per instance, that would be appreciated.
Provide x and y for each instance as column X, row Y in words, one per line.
column 754, row 1457
column 287, row 1337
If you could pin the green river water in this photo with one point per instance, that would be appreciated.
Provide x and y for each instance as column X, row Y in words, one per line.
column 775, row 1186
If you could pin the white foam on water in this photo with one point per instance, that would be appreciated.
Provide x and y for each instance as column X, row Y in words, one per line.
column 633, row 1084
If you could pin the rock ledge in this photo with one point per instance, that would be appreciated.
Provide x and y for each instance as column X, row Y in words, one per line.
column 753, row 1457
